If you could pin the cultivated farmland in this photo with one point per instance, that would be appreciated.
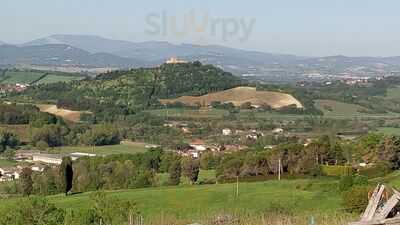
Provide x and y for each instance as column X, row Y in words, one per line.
column 69, row 115
column 240, row 95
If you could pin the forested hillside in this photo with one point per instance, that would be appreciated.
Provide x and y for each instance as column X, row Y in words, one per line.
column 127, row 92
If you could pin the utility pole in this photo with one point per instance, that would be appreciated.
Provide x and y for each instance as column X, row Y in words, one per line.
column 237, row 186
column 279, row 169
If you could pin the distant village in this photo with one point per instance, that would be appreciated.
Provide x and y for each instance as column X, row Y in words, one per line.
column 37, row 161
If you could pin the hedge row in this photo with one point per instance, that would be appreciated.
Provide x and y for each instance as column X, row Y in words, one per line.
column 337, row 171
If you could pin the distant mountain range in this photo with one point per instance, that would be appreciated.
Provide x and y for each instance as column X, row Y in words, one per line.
column 156, row 52
column 60, row 54
column 94, row 51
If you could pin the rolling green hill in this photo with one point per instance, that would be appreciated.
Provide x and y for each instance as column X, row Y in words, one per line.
column 125, row 92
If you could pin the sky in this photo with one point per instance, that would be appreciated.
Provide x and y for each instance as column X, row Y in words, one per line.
column 301, row 27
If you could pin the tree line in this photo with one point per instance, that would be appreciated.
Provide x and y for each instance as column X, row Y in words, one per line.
column 292, row 159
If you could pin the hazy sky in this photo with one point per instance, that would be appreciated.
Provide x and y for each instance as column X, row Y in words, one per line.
column 303, row 27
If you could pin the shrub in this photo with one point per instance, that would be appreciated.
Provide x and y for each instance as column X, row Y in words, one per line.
column 207, row 181
column 336, row 171
column 355, row 200
column 347, row 182
column 316, row 171
column 378, row 170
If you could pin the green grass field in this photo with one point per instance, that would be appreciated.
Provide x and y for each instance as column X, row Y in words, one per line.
column 389, row 130
column 302, row 197
column 335, row 108
column 393, row 93
column 51, row 78
column 24, row 77
column 188, row 113
column 295, row 196
column 341, row 110
column 218, row 113
column 37, row 77
column 7, row 163
column 130, row 148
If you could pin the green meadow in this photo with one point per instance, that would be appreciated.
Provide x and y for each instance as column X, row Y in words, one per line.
column 291, row 196
column 123, row 148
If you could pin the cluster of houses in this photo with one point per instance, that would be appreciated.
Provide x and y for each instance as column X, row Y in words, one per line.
column 196, row 147
column 6, row 88
column 36, row 161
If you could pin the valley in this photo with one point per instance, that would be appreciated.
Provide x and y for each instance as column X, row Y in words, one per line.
column 150, row 137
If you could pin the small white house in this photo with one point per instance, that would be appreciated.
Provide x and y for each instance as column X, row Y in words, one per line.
column 10, row 174
column 198, row 145
column 77, row 155
column 252, row 136
column 47, row 158
column 38, row 168
column 226, row 132
column 277, row 131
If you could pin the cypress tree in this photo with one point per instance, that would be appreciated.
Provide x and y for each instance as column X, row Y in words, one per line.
column 66, row 174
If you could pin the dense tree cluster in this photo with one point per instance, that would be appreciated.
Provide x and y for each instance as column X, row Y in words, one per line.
column 8, row 140
column 382, row 152
column 25, row 114
column 54, row 135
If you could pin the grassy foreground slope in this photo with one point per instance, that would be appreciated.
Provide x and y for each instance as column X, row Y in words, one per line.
column 292, row 196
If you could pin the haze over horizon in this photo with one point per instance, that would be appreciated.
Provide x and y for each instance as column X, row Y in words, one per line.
column 306, row 28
